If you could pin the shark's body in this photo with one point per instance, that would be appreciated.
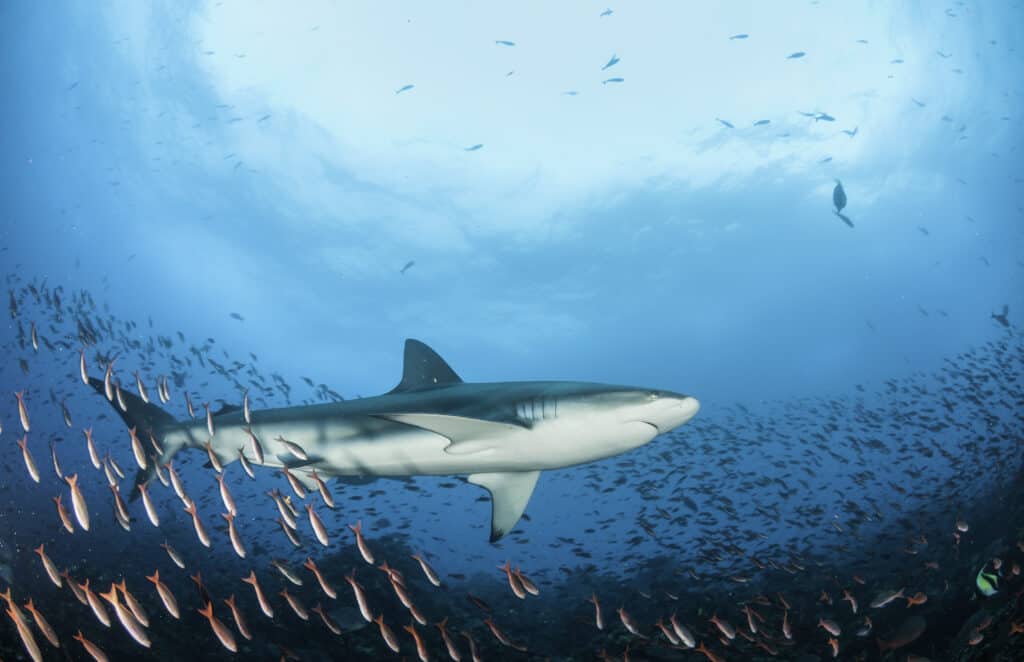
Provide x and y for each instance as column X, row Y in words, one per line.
column 501, row 434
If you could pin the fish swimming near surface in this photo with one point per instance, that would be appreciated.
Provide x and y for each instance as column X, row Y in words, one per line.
column 408, row 265
column 503, row 42
column 796, row 56
column 501, row 434
column 473, row 148
column 839, row 201
column 738, row 36
column 612, row 80
column 725, row 123
column 611, row 63
column 404, row 88
column 839, row 196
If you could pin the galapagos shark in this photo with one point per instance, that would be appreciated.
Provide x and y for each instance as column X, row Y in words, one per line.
column 502, row 435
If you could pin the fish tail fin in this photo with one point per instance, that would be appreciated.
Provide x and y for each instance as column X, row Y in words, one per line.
column 140, row 415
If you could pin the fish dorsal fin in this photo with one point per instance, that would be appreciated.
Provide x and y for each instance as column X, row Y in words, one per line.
column 510, row 492
column 424, row 369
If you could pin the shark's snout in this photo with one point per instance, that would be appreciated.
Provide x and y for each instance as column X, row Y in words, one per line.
column 671, row 410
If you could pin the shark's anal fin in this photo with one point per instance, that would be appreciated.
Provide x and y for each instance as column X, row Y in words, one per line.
column 306, row 479
column 510, row 492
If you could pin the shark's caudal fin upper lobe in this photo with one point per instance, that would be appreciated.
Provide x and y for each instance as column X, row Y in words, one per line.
column 145, row 417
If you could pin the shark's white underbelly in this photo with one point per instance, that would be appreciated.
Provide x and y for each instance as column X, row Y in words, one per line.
column 373, row 447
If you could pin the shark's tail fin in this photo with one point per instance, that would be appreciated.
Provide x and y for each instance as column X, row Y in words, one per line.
column 145, row 417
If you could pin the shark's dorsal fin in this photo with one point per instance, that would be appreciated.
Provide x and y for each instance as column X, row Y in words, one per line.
column 510, row 492
column 424, row 368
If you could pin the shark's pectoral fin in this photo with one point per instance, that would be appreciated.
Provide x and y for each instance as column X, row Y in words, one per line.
column 468, row 435
column 510, row 492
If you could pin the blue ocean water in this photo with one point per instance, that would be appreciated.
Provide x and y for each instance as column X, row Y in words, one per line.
column 271, row 199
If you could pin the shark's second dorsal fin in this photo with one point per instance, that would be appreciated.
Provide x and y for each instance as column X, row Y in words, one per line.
column 227, row 409
column 424, row 368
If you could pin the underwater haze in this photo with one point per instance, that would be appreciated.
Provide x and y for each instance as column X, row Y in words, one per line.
column 240, row 222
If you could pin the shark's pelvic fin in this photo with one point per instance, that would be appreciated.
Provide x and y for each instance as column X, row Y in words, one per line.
column 510, row 492
column 292, row 462
column 467, row 435
column 424, row 368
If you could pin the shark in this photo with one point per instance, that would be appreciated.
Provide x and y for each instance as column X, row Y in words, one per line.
column 500, row 435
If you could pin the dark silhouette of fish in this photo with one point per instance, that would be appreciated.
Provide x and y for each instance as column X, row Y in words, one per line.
column 796, row 56
column 904, row 635
column 570, row 93
column 502, row 42
column 920, row 104
column 237, row 317
column 473, row 148
column 612, row 80
column 824, row 117
column 408, row 265
column 739, row 36
column 839, row 197
column 862, row 41
column 612, row 62
column 1002, row 317
column 896, row 61
column 724, row 123
column 606, row 12
column 404, row 88
column 762, row 122
column 851, row 133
